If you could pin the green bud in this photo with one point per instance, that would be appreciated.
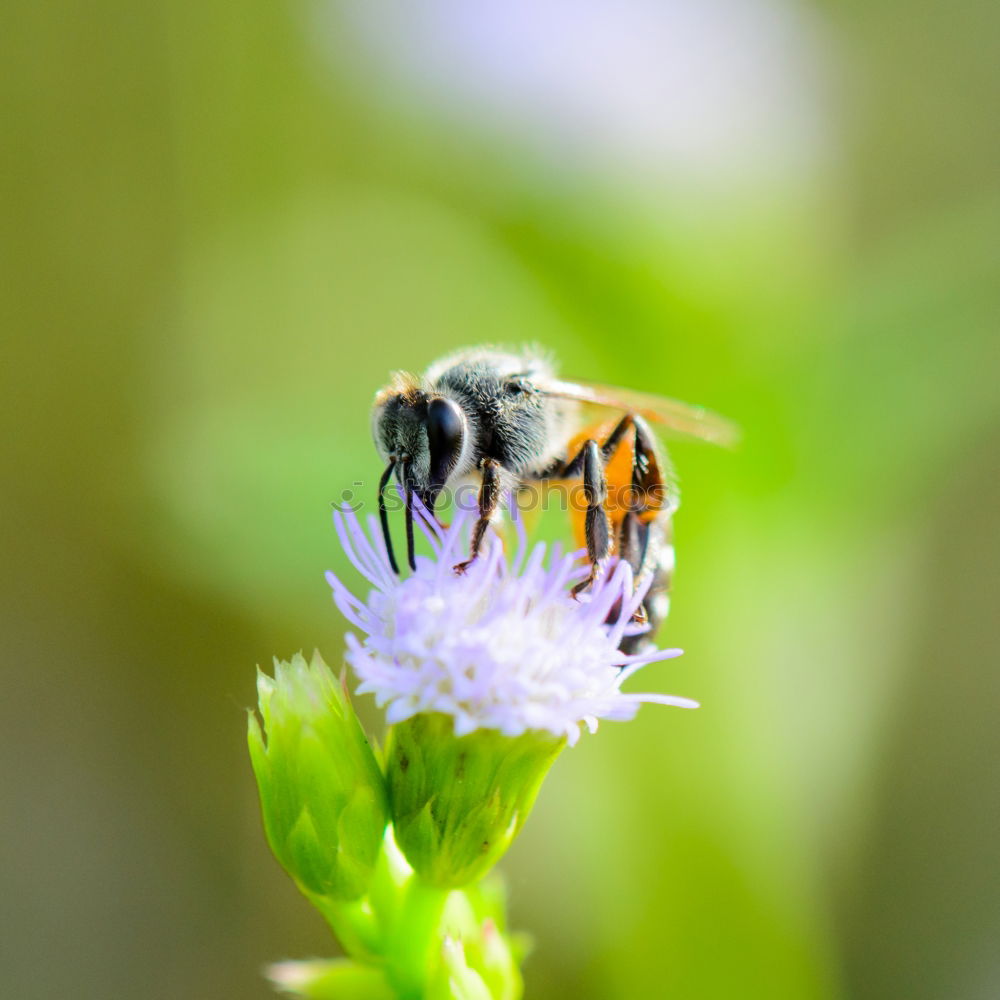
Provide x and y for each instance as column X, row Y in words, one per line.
column 322, row 794
column 459, row 802
column 330, row 979
column 474, row 918
column 455, row 979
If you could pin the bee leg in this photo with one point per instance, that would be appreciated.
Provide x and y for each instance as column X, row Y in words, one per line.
column 573, row 468
column 597, row 528
column 645, row 537
column 633, row 540
column 630, row 550
column 590, row 460
column 633, row 537
column 489, row 498
column 653, row 492
column 647, row 477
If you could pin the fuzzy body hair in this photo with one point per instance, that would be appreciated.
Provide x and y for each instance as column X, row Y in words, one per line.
column 506, row 414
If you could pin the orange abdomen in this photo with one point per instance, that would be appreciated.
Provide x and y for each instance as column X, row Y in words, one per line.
column 622, row 495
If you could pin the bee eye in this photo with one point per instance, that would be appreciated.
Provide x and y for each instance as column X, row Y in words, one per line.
column 445, row 433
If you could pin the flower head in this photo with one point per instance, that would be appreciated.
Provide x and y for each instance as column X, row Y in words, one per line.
column 503, row 647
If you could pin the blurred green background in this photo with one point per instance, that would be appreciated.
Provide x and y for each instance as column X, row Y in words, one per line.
column 225, row 223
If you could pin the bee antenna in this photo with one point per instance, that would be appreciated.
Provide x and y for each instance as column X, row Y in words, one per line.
column 410, row 545
column 384, row 516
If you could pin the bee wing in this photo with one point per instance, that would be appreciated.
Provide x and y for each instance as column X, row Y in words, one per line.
column 680, row 418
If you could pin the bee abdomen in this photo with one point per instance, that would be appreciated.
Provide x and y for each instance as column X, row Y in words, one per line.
column 657, row 600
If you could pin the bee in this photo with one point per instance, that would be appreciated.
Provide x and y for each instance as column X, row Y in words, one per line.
column 504, row 421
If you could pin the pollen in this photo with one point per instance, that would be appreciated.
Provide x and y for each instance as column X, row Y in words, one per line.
column 403, row 386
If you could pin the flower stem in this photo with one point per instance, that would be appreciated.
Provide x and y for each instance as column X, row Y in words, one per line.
column 352, row 924
column 410, row 950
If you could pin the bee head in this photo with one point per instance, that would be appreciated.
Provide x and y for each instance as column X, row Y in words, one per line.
column 421, row 435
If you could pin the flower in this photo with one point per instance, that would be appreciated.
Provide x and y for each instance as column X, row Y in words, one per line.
column 486, row 677
column 503, row 647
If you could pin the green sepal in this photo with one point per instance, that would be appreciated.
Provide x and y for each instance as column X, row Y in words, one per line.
column 323, row 797
column 459, row 801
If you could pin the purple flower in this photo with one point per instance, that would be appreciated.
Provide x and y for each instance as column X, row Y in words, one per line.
column 505, row 646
